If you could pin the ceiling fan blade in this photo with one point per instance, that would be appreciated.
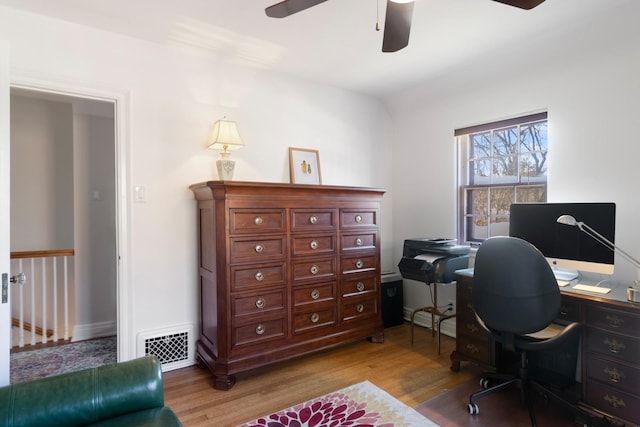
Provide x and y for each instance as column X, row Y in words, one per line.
column 397, row 25
column 522, row 4
column 289, row 7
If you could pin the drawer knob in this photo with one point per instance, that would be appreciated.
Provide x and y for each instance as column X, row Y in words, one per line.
column 472, row 327
column 313, row 219
column 614, row 321
column 261, row 303
column 472, row 348
column 258, row 220
column 358, row 241
column 359, row 263
column 358, row 218
column 315, row 317
column 614, row 401
column 315, row 294
column 259, row 276
column 313, row 244
column 314, row 269
column 615, row 376
column 360, row 286
column 360, row 308
column 259, row 249
column 614, row 345
column 260, row 329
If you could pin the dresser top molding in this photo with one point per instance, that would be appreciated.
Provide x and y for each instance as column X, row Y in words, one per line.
column 222, row 189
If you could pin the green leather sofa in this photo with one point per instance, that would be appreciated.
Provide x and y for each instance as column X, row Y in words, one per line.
column 123, row 394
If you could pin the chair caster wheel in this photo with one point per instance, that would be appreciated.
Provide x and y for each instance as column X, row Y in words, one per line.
column 485, row 383
column 473, row 409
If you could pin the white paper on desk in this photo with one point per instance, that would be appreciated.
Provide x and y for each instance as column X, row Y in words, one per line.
column 429, row 258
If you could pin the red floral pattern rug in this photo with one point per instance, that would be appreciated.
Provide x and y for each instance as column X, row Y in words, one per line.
column 359, row 405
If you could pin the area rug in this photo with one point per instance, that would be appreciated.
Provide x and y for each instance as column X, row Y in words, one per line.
column 45, row 362
column 359, row 405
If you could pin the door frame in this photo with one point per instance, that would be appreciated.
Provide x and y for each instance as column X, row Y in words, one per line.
column 121, row 100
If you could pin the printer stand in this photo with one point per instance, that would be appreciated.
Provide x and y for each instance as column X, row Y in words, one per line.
column 435, row 311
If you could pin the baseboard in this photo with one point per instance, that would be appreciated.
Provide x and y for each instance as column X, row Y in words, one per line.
column 424, row 319
column 94, row 330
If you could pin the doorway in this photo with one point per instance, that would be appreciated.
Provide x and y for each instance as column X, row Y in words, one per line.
column 64, row 196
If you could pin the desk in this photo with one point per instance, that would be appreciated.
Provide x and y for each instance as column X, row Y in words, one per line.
column 610, row 346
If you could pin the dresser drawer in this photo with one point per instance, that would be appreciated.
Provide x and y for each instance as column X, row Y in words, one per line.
column 467, row 325
column 357, row 264
column 613, row 401
column 358, row 241
column 569, row 311
column 354, row 218
column 313, row 219
column 257, row 249
column 305, row 295
column 244, row 277
column 613, row 320
column 358, row 307
column 616, row 346
column 259, row 303
column 614, row 373
column 322, row 316
column 258, row 331
column 313, row 245
column 257, row 221
column 317, row 269
column 359, row 285
column 475, row 349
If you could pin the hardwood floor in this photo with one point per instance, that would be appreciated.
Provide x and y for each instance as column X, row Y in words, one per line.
column 410, row 373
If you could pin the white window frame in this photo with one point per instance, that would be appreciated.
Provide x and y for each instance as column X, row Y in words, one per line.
column 525, row 188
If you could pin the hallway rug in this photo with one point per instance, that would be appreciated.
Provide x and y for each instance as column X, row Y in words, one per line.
column 45, row 362
column 362, row 404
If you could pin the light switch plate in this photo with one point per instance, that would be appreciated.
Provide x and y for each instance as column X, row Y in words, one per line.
column 140, row 194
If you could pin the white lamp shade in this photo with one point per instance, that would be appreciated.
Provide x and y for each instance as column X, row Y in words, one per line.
column 225, row 136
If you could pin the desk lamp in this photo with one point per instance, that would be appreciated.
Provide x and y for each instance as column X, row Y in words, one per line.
column 633, row 294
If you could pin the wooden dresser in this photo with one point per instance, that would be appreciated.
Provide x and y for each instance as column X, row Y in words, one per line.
column 285, row 270
column 609, row 356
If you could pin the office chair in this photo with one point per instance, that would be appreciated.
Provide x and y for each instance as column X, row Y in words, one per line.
column 516, row 298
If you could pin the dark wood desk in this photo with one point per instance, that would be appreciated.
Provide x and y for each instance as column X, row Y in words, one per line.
column 609, row 358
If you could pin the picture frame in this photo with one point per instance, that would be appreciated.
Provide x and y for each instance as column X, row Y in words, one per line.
column 304, row 166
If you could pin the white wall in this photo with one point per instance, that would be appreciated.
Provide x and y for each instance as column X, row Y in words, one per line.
column 175, row 96
column 95, row 226
column 42, row 174
column 589, row 84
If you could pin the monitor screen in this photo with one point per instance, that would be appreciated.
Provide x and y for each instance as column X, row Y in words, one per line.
column 566, row 247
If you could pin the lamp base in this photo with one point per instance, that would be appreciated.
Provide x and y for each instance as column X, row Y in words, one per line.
column 225, row 167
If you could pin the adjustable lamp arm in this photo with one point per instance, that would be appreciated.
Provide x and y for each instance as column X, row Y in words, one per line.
column 569, row 220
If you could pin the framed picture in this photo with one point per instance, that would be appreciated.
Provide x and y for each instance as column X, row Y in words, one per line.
column 304, row 166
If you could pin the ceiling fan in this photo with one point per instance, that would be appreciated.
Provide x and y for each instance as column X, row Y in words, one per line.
column 397, row 24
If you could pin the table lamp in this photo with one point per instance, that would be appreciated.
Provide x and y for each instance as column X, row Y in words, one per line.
column 633, row 294
column 225, row 137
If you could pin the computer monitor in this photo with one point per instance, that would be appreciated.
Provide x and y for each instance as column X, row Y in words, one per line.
column 566, row 248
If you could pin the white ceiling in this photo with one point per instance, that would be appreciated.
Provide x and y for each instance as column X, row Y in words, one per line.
column 336, row 42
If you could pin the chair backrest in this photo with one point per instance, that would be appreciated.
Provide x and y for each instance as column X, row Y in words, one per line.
column 514, row 289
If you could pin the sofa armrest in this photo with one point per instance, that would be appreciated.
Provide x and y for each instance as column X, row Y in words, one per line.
column 84, row 397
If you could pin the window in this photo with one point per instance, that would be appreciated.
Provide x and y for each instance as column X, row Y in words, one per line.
column 500, row 163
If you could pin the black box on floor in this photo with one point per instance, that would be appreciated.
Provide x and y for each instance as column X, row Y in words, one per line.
column 392, row 299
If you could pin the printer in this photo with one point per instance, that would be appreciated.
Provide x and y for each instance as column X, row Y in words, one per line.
column 432, row 260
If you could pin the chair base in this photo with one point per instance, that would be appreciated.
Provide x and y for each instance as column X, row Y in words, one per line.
column 526, row 387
